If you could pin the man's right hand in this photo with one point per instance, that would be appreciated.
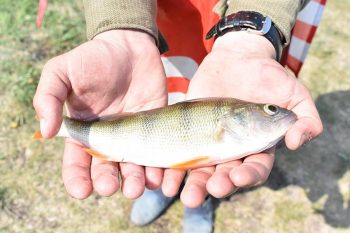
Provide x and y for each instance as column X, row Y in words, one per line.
column 118, row 71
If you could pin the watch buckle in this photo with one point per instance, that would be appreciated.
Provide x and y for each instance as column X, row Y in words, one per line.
column 265, row 28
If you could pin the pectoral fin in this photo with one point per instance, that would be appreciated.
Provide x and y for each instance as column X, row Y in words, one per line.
column 230, row 124
column 219, row 131
column 193, row 163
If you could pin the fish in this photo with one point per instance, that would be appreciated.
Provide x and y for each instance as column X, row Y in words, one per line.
column 185, row 135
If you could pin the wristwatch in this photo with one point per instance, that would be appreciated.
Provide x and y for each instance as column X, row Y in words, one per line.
column 252, row 22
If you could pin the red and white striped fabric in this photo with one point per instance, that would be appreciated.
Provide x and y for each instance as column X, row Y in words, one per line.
column 302, row 35
column 184, row 24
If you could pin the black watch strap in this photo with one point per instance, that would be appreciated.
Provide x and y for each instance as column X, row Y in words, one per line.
column 252, row 22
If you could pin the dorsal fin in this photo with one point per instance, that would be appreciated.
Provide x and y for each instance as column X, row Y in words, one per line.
column 110, row 117
column 212, row 99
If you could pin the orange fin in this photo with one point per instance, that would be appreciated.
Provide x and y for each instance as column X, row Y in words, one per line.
column 97, row 154
column 193, row 163
column 37, row 135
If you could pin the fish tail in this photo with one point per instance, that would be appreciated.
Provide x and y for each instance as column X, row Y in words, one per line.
column 37, row 135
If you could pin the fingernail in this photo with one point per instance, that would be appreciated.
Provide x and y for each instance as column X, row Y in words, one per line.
column 43, row 126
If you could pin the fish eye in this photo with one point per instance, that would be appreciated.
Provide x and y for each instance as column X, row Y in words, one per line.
column 270, row 109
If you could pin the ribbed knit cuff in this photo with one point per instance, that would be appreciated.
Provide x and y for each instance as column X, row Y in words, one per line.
column 104, row 15
column 282, row 12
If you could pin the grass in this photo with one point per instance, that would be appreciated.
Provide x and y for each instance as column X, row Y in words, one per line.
column 32, row 195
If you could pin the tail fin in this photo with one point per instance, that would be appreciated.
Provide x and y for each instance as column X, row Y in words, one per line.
column 37, row 135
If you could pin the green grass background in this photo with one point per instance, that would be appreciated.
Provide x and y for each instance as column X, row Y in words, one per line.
column 32, row 195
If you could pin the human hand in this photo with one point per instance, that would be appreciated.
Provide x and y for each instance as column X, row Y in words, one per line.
column 117, row 71
column 242, row 66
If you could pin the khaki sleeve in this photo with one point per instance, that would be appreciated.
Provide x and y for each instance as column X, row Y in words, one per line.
column 282, row 12
column 104, row 15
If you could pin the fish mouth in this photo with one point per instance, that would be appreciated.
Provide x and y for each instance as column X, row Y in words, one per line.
column 291, row 118
column 287, row 117
column 284, row 124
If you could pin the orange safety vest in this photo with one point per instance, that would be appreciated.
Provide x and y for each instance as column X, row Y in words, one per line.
column 184, row 24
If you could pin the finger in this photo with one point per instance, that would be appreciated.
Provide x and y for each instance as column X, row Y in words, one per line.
column 154, row 177
column 308, row 126
column 194, row 192
column 104, row 175
column 172, row 181
column 133, row 180
column 76, row 171
column 50, row 96
column 254, row 170
column 302, row 131
column 219, row 184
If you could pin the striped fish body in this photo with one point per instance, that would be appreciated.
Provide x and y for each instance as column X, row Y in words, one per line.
column 184, row 135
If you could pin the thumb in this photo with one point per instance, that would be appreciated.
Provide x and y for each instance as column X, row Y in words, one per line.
column 50, row 96
column 307, row 127
column 303, row 130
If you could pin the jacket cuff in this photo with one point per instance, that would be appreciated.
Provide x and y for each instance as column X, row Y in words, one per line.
column 283, row 13
column 104, row 15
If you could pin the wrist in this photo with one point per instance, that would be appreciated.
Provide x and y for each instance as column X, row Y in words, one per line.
column 107, row 15
column 125, row 35
column 245, row 44
column 131, row 40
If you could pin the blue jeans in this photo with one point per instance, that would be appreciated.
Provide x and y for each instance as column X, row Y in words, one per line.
column 152, row 204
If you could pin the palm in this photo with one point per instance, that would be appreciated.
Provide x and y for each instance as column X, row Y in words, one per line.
column 255, row 79
column 99, row 87
column 266, row 82
column 102, row 77
column 111, row 88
